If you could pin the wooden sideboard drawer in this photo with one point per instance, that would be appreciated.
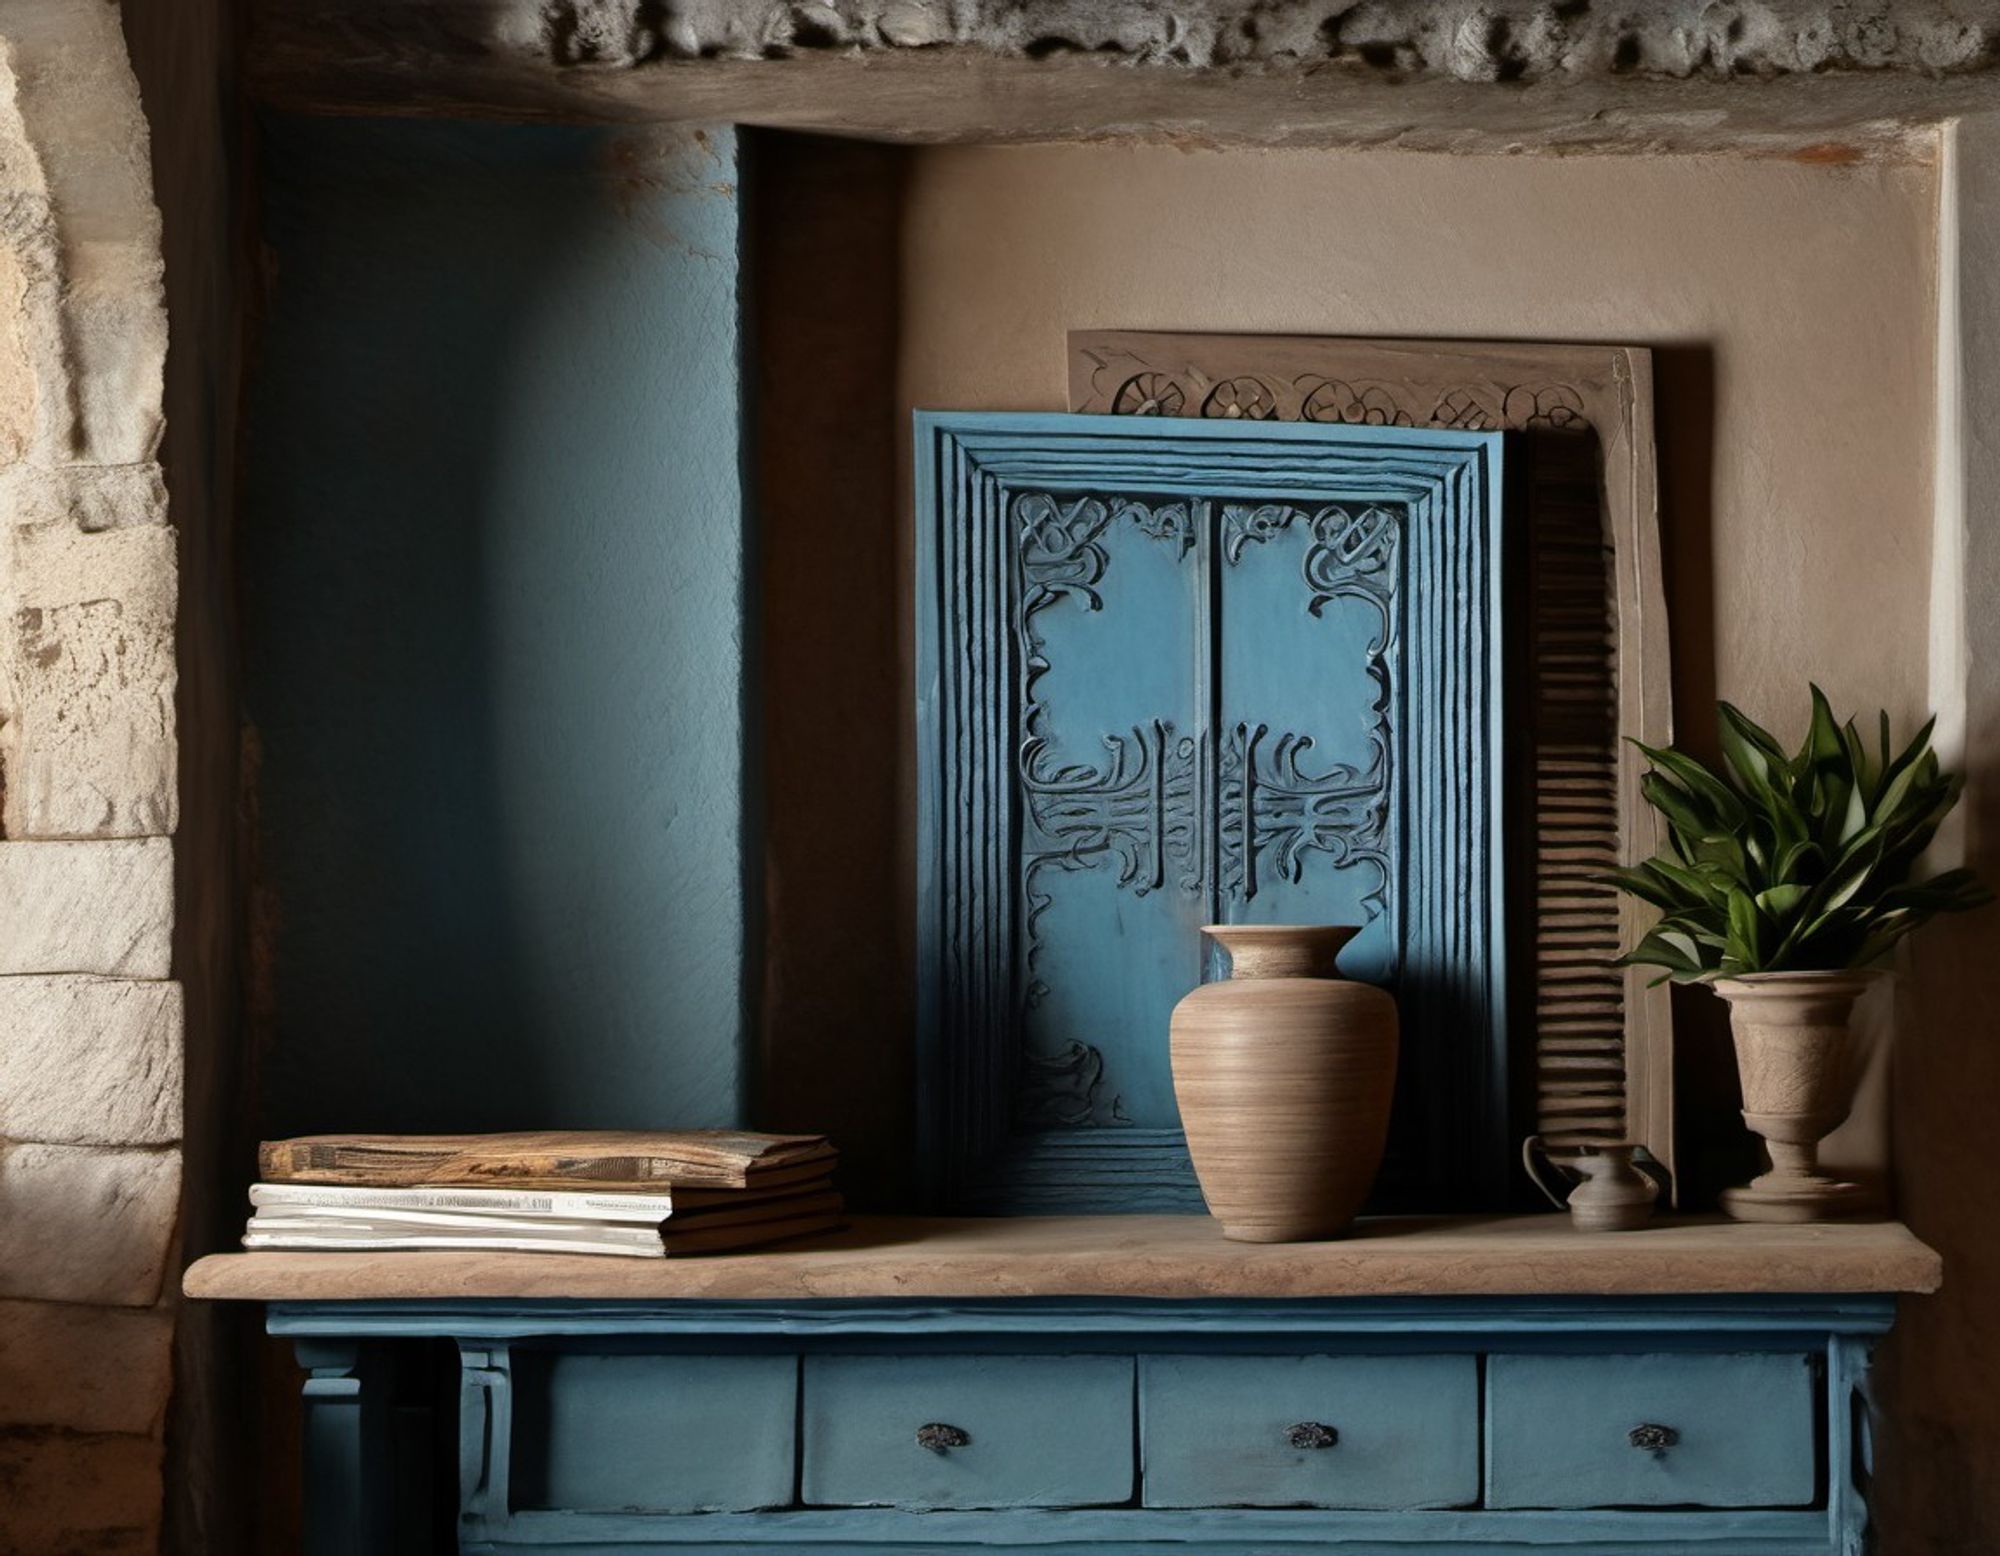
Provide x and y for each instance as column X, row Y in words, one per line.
column 1309, row 1431
column 653, row 1433
column 1003, row 1431
column 1666, row 1430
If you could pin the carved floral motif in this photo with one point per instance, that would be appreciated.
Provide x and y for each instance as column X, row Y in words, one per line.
column 1357, row 405
column 1149, row 394
column 1245, row 399
column 1479, row 407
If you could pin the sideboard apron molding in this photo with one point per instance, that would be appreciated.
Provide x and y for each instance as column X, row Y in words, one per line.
column 621, row 1419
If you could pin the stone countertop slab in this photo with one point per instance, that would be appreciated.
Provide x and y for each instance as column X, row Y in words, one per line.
column 1134, row 1257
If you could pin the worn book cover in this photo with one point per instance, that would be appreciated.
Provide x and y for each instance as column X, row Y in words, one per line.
column 690, row 1158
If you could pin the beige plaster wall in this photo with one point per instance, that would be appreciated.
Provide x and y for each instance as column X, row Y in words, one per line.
column 1790, row 308
column 1792, row 303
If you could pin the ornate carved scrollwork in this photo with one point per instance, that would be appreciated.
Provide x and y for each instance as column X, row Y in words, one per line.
column 1138, row 807
column 1147, row 808
column 1273, row 809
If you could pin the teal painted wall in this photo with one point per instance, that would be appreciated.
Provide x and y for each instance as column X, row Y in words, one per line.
column 493, row 588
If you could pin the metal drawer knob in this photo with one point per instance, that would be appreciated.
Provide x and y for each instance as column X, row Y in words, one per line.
column 1654, row 1439
column 1311, row 1434
column 940, row 1438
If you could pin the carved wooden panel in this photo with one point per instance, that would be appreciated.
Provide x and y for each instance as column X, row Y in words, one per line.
column 1596, row 645
column 1173, row 674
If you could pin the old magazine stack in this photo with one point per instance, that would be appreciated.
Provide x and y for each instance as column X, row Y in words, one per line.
column 645, row 1195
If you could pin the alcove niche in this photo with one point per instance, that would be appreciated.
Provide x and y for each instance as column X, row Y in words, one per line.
column 577, row 547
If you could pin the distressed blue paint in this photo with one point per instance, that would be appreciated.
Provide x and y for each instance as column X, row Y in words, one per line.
column 1147, row 652
column 664, row 1434
column 1041, row 1431
column 1665, row 1320
column 493, row 590
column 1093, row 1381
column 1213, row 1431
column 1559, row 1430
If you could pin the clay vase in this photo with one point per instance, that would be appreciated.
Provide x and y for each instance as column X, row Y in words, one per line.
column 1605, row 1188
column 1795, row 1054
column 1284, row 1074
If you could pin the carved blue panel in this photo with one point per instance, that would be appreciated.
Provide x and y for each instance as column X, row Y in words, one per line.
column 1179, row 673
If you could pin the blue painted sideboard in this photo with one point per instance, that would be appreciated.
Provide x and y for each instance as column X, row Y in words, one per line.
column 1733, row 1423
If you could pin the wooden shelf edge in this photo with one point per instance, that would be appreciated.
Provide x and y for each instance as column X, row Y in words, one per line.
column 1133, row 1257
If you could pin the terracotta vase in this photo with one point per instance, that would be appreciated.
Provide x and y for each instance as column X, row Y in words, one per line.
column 1284, row 1074
column 1795, row 1054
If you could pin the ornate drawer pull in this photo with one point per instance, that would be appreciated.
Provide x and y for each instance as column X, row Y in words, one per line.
column 1654, row 1439
column 1311, row 1434
column 940, row 1438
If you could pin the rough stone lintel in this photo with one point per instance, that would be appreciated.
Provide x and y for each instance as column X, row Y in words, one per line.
column 87, row 907
column 1818, row 78
column 90, row 1061
column 1496, row 40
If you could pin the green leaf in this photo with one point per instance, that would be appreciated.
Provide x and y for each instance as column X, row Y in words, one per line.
column 1645, row 883
column 1680, row 809
column 1859, row 774
column 1953, row 891
column 1665, row 948
column 1779, row 903
column 1849, row 875
column 1823, row 734
column 1692, row 883
column 1748, row 749
column 1882, row 938
column 1744, row 943
column 1913, row 754
column 1723, row 802
column 1733, row 718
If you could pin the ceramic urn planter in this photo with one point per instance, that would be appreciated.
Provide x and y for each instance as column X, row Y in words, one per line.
column 1795, row 1055
column 1284, row 1073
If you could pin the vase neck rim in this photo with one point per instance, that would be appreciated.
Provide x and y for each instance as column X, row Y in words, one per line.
column 1282, row 950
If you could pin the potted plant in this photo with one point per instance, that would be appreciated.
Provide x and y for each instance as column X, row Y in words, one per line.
column 1785, row 882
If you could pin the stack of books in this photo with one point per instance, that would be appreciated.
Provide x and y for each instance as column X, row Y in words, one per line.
column 646, row 1195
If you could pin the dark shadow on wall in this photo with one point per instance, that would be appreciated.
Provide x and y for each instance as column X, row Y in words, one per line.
column 835, row 1046
column 1938, row 1450
column 185, row 54
column 492, row 583
column 1713, row 1147
column 389, row 964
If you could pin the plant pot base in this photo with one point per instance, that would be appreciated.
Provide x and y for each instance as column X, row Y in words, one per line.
column 1792, row 1200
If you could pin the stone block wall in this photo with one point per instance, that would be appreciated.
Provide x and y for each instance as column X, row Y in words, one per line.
column 90, row 1018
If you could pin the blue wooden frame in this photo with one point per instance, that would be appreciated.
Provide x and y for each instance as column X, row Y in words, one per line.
column 353, row 1352
column 1453, row 935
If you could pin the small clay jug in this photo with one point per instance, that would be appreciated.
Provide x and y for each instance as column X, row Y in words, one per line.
column 1284, row 1074
column 1608, row 1188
